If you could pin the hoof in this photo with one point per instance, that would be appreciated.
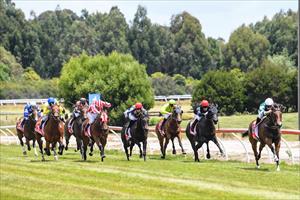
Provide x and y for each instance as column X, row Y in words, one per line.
column 29, row 149
column 278, row 169
column 66, row 148
column 257, row 166
column 55, row 157
column 208, row 156
column 102, row 158
column 184, row 153
column 163, row 157
column 91, row 154
column 173, row 152
column 24, row 153
column 59, row 153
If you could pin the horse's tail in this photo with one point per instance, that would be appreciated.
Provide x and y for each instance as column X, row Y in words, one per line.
column 245, row 134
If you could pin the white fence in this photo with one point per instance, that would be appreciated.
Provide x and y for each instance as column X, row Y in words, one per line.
column 40, row 101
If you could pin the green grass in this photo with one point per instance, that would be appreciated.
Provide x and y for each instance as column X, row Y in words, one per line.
column 177, row 177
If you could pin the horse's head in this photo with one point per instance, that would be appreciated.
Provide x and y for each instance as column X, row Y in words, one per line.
column 142, row 119
column 103, row 119
column 55, row 112
column 177, row 114
column 34, row 115
column 213, row 114
column 275, row 116
column 83, row 112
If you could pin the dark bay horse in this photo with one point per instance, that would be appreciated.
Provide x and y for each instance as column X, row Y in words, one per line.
column 53, row 133
column 171, row 130
column 77, row 127
column 268, row 133
column 139, row 134
column 28, row 131
column 99, row 131
column 205, row 132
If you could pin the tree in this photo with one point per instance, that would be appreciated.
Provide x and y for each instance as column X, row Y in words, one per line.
column 107, row 74
column 281, row 31
column 9, row 68
column 191, row 56
column 245, row 49
column 223, row 88
column 270, row 80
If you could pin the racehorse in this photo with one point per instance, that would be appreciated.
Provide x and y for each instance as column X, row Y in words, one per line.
column 268, row 133
column 99, row 131
column 77, row 126
column 139, row 134
column 205, row 131
column 171, row 130
column 28, row 131
column 53, row 133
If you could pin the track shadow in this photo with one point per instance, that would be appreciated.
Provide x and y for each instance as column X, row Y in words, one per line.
column 255, row 169
column 87, row 161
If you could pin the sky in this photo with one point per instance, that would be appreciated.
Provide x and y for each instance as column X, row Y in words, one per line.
column 218, row 18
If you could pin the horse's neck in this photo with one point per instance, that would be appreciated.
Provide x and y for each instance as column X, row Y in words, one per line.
column 173, row 123
column 206, row 124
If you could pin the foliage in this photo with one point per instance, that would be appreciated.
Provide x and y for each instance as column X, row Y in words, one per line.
column 223, row 88
column 30, row 75
column 271, row 80
column 119, row 78
column 281, row 31
column 9, row 68
column 245, row 49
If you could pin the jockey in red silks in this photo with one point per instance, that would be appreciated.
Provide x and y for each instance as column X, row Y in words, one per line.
column 94, row 109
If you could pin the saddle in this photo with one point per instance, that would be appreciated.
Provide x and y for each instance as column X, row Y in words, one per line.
column 70, row 126
column 38, row 129
column 255, row 129
column 19, row 127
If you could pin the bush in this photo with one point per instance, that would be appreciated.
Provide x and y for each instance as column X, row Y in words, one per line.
column 119, row 78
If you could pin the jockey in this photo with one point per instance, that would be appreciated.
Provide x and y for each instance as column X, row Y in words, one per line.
column 166, row 110
column 47, row 109
column 130, row 114
column 76, row 112
column 28, row 109
column 264, row 108
column 94, row 109
column 200, row 111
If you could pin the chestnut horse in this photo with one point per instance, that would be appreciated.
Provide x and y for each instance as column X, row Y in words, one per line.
column 139, row 134
column 268, row 133
column 205, row 132
column 99, row 131
column 28, row 131
column 53, row 133
column 171, row 130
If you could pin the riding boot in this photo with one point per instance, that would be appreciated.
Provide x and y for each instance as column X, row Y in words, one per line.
column 129, row 126
column 86, row 127
column 257, row 120
column 22, row 123
column 193, row 125
column 44, row 119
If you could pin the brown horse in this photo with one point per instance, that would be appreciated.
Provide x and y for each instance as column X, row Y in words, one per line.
column 268, row 133
column 53, row 133
column 171, row 130
column 77, row 124
column 99, row 132
column 28, row 131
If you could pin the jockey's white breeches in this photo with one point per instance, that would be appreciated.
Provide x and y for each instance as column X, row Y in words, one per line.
column 92, row 117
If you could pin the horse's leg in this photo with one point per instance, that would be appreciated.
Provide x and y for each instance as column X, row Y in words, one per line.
column 78, row 142
column 254, row 148
column 28, row 144
column 126, row 149
column 196, row 147
column 276, row 159
column 130, row 149
column 218, row 145
column 144, row 149
column 91, row 144
column 84, row 145
column 261, row 146
column 141, row 152
column 277, row 147
column 40, row 142
column 161, row 143
column 47, row 149
column 208, row 153
column 173, row 146
column 34, row 147
column 67, row 138
column 53, row 148
column 165, row 147
column 20, row 136
column 180, row 144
